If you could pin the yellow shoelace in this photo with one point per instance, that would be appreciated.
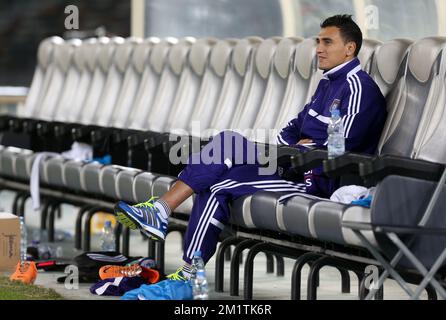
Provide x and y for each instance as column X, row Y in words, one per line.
column 176, row 275
column 147, row 204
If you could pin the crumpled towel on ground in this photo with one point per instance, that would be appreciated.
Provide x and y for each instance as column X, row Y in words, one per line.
column 163, row 290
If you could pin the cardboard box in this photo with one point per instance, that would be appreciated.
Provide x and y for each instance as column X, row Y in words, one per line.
column 9, row 241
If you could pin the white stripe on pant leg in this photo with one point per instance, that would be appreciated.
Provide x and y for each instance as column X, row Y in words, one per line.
column 206, row 227
column 235, row 184
column 256, row 186
column 281, row 181
column 282, row 189
column 200, row 221
column 217, row 223
column 199, row 230
column 220, row 183
column 226, row 182
column 275, row 185
column 200, row 225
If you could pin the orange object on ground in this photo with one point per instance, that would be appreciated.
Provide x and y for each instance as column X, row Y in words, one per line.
column 25, row 271
column 111, row 271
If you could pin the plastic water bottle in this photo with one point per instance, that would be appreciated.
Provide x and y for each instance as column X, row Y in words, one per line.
column 198, row 278
column 23, row 240
column 108, row 237
column 335, row 130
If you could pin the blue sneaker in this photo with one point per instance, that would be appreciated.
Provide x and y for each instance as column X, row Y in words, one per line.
column 144, row 216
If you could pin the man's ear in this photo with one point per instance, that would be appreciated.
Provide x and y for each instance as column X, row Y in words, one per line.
column 351, row 48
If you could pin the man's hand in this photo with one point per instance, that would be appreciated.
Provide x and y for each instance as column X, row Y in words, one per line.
column 305, row 142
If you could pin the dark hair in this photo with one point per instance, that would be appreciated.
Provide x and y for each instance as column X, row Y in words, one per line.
column 348, row 28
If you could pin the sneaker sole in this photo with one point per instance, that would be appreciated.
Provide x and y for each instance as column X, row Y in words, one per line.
column 134, row 224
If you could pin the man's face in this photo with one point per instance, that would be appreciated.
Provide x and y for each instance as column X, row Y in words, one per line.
column 331, row 49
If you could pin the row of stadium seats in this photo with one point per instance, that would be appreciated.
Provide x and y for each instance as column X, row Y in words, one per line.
column 108, row 91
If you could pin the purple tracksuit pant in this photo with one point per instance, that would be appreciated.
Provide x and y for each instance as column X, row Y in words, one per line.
column 233, row 173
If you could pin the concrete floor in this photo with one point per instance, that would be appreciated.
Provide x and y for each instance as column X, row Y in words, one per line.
column 266, row 286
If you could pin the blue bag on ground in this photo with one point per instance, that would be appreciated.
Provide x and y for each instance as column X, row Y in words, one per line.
column 163, row 290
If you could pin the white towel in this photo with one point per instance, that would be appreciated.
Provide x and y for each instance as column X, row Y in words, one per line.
column 78, row 151
column 347, row 194
column 34, row 180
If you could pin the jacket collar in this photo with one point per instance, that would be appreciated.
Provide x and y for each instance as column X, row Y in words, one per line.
column 344, row 70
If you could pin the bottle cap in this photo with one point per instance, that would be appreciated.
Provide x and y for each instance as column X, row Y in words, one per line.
column 335, row 112
column 107, row 223
column 197, row 253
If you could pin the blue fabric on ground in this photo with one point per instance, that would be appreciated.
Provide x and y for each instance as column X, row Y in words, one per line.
column 365, row 202
column 163, row 290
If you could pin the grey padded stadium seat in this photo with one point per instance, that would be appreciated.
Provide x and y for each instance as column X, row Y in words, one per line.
column 192, row 76
column 72, row 174
column 263, row 211
column 91, row 82
column 366, row 54
column 91, row 178
column 124, row 184
column 357, row 214
column 237, row 80
column 421, row 84
column 53, row 171
column 292, row 217
column 386, row 64
column 115, row 77
column 8, row 158
column 324, row 221
column 310, row 67
column 142, row 186
column 17, row 163
column 304, row 67
column 23, row 165
column 387, row 71
column 70, row 91
column 77, row 83
column 251, row 97
column 133, row 84
column 63, row 56
column 216, row 73
column 106, row 49
column 241, row 212
column 431, row 134
column 168, row 85
column 153, row 68
column 279, row 92
column 41, row 77
column 109, row 182
column 161, row 185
